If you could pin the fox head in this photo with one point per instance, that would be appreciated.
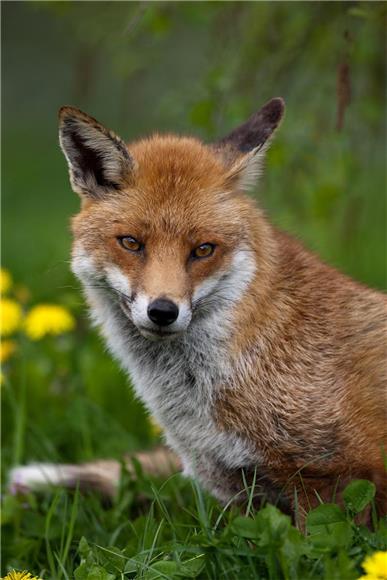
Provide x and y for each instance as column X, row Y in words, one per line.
column 165, row 227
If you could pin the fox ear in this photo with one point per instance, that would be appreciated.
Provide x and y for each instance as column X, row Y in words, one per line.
column 244, row 148
column 98, row 159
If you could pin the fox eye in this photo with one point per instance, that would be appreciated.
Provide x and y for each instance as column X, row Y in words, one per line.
column 130, row 243
column 203, row 251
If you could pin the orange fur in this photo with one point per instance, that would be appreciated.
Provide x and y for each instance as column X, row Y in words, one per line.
column 307, row 345
column 314, row 399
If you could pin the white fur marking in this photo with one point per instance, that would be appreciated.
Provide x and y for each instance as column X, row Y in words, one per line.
column 179, row 380
column 141, row 319
column 249, row 168
column 205, row 287
column 40, row 475
column 82, row 264
column 118, row 280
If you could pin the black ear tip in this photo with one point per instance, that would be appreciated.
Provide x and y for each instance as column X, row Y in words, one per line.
column 65, row 111
column 274, row 110
column 68, row 113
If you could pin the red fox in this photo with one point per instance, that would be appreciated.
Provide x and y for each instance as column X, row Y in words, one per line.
column 257, row 359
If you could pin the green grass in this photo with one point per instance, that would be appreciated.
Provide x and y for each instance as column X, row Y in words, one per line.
column 171, row 529
column 58, row 406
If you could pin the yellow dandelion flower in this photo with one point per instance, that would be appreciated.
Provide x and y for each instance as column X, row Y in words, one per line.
column 5, row 281
column 14, row 575
column 10, row 316
column 47, row 319
column 7, row 348
column 375, row 566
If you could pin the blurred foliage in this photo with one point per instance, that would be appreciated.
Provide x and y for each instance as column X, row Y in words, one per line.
column 200, row 68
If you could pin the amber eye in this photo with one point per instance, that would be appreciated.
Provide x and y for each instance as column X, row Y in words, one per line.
column 203, row 251
column 130, row 244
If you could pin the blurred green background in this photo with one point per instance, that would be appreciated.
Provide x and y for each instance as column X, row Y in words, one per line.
column 196, row 68
column 200, row 68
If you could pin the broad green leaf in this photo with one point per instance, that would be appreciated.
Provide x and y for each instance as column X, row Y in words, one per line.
column 292, row 549
column 162, row 569
column 191, row 568
column 272, row 517
column 325, row 514
column 132, row 565
column 272, row 527
column 81, row 572
column 340, row 567
column 328, row 527
column 85, row 572
column 358, row 494
column 84, row 548
column 245, row 527
column 111, row 558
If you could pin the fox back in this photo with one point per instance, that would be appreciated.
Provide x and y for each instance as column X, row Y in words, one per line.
column 253, row 355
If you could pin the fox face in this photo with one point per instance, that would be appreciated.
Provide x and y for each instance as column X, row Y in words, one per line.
column 165, row 227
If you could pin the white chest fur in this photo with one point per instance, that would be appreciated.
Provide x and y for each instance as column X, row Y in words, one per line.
column 178, row 381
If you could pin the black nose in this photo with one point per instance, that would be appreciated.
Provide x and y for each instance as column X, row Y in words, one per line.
column 163, row 312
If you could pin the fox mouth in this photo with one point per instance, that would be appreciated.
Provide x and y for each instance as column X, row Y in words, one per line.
column 157, row 333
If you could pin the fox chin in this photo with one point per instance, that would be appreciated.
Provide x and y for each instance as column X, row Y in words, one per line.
column 260, row 362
